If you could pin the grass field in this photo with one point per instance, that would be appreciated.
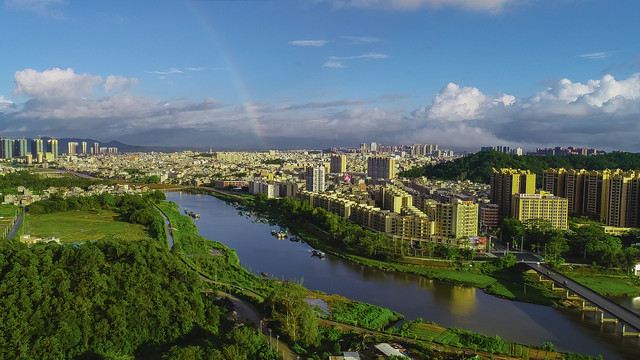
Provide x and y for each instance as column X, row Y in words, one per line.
column 7, row 211
column 72, row 226
column 610, row 285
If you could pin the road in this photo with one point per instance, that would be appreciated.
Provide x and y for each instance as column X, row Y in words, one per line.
column 620, row 312
column 16, row 226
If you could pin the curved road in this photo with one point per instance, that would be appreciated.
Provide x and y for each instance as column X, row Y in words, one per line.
column 620, row 312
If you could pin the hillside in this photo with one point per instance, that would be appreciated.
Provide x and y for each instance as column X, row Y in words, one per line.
column 477, row 167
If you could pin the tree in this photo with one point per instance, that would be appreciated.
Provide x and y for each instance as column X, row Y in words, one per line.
column 294, row 316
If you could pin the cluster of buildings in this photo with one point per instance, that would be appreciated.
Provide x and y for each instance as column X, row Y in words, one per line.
column 430, row 150
column 45, row 150
column 555, row 151
column 27, row 197
column 571, row 150
column 514, row 194
column 610, row 196
column 394, row 211
column 502, row 149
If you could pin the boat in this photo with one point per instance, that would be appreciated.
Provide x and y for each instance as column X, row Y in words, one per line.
column 318, row 253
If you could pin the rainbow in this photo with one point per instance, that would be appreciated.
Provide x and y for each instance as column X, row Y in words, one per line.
column 234, row 71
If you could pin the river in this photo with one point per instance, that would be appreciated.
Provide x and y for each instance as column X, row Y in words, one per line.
column 413, row 296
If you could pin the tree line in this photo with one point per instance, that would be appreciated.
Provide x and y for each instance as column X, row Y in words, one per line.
column 585, row 241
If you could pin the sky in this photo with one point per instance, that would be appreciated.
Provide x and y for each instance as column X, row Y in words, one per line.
column 318, row 73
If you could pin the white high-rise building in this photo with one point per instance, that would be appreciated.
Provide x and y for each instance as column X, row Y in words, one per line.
column 315, row 178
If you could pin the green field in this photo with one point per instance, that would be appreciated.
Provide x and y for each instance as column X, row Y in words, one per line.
column 7, row 211
column 72, row 226
column 610, row 285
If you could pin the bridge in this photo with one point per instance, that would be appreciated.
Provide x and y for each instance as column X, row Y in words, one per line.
column 619, row 312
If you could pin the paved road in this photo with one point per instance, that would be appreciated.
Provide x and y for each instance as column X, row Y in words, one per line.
column 16, row 226
column 620, row 312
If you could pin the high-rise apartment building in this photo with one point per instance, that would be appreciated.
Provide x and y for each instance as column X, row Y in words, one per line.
column 338, row 164
column 508, row 182
column 373, row 147
column 96, row 148
column 458, row 219
column 72, row 148
column 52, row 147
column 84, row 147
column 610, row 196
column 20, row 148
column 541, row 206
column 6, row 148
column 380, row 167
column 37, row 146
column 314, row 177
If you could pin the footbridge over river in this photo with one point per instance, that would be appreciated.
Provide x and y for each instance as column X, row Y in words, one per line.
column 601, row 303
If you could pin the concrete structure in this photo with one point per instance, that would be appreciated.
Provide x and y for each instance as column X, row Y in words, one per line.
column 52, row 147
column 96, row 148
column 508, row 182
column 611, row 196
column 488, row 216
column 72, row 148
column 6, row 148
column 380, row 167
column 453, row 221
column 37, row 147
column 84, row 147
column 20, row 148
column 314, row 177
column 338, row 164
column 541, row 206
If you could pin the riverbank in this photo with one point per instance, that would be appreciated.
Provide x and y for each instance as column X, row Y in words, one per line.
column 352, row 312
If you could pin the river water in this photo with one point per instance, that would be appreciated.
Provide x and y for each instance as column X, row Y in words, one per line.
column 413, row 296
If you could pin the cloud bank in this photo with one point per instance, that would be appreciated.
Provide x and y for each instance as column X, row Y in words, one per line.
column 602, row 113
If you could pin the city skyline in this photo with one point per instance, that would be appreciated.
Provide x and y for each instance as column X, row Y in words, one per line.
column 255, row 74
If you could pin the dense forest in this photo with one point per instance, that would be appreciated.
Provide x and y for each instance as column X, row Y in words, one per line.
column 9, row 182
column 103, row 298
column 477, row 167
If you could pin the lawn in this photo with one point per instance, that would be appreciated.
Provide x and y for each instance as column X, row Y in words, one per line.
column 72, row 226
column 610, row 285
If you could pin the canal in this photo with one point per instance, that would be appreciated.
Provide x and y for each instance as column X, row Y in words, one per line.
column 415, row 297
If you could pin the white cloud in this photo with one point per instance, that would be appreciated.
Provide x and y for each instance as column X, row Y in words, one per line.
column 167, row 72
column 47, row 8
column 5, row 103
column 199, row 68
column 597, row 55
column 113, row 82
column 599, row 113
column 333, row 64
column 314, row 43
column 54, row 84
column 454, row 103
column 409, row 5
column 338, row 62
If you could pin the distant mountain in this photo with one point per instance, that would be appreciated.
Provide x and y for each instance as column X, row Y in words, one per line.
column 203, row 139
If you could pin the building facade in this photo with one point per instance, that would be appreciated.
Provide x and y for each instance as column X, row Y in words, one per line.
column 507, row 182
column 314, row 177
column 380, row 167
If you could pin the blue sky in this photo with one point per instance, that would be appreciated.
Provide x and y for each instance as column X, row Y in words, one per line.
column 264, row 73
